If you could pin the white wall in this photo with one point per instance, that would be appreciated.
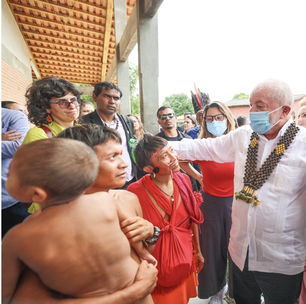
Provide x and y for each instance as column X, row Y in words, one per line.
column 14, row 48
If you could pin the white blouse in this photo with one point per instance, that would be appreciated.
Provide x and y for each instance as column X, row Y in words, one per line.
column 275, row 231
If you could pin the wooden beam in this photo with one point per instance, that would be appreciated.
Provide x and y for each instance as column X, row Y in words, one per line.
column 69, row 70
column 65, row 26
column 76, row 52
column 60, row 15
column 58, row 63
column 90, row 57
column 86, row 61
column 112, row 71
column 73, row 8
column 79, row 45
column 129, row 36
column 68, row 60
column 65, row 40
column 151, row 7
column 56, row 31
column 62, row 75
column 35, row 67
column 109, row 17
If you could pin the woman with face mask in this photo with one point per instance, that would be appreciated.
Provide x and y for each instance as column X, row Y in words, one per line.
column 218, row 189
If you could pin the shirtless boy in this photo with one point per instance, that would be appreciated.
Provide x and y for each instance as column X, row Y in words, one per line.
column 76, row 244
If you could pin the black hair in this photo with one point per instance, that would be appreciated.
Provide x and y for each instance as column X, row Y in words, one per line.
column 162, row 108
column 91, row 134
column 107, row 85
column 241, row 120
column 7, row 104
column 146, row 147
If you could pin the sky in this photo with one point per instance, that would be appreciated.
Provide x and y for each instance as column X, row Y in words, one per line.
column 227, row 47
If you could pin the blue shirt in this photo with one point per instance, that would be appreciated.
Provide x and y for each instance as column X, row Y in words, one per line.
column 11, row 120
column 193, row 133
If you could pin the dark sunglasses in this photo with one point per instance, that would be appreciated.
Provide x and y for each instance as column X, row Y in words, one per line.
column 164, row 116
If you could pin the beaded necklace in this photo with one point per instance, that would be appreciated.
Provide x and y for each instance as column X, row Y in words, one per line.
column 253, row 179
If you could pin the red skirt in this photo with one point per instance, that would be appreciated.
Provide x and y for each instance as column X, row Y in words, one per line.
column 180, row 295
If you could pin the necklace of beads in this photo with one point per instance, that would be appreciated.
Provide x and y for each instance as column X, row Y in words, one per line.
column 253, row 179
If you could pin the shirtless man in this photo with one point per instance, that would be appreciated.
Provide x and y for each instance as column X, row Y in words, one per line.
column 73, row 231
column 106, row 143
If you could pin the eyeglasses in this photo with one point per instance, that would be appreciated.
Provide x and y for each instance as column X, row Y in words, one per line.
column 65, row 104
column 164, row 116
column 218, row 117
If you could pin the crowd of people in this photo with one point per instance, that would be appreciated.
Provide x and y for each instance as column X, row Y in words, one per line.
column 116, row 214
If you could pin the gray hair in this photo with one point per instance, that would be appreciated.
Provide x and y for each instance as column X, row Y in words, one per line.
column 278, row 90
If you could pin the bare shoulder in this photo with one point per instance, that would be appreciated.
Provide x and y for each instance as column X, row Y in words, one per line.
column 98, row 200
column 97, row 196
column 16, row 236
column 124, row 196
column 127, row 201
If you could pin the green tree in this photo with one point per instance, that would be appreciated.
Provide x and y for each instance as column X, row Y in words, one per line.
column 86, row 97
column 134, row 84
column 180, row 103
column 241, row 96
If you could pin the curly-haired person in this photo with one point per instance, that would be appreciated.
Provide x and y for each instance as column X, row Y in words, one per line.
column 53, row 106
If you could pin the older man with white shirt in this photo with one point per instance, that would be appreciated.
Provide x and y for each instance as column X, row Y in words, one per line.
column 267, row 239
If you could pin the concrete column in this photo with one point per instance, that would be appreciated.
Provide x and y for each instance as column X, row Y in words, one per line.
column 122, row 66
column 148, row 68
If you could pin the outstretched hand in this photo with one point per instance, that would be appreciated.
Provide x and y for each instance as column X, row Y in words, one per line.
column 137, row 229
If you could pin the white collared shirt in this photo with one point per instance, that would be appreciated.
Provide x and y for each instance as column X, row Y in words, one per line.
column 274, row 231
column 125, row 152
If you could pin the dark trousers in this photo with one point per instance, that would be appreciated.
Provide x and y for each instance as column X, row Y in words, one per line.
column 214, row 239
column 276, row 288
column 12, row 216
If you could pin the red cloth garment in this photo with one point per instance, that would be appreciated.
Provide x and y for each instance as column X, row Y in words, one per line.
column 218, row 178
column 180, row 295
column 173, row 251
column 189, row 200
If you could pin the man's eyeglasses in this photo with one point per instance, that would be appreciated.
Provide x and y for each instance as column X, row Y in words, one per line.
column 65, row 104
column 218, row 117
column 164, row 116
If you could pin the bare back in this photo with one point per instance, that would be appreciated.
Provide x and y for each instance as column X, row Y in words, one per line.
column 78, row 248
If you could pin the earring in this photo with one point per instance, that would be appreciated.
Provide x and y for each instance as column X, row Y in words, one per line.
column 49, row 120
column 154, row 175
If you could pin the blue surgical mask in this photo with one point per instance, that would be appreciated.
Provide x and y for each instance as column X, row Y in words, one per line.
column 217, row 128
column 260, row 121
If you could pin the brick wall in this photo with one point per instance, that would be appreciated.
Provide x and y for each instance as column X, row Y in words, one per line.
column 13, row 84
column 243, row 110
